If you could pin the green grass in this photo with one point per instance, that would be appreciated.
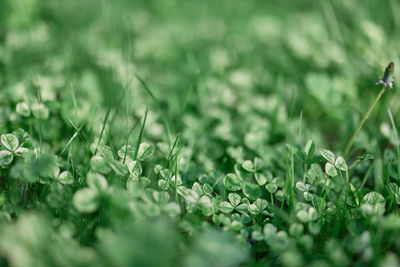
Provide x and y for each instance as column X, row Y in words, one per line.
column 198, row 133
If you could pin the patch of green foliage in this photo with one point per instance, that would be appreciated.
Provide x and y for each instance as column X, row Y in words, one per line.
column 198, row 133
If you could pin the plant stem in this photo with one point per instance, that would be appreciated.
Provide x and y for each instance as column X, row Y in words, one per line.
column 364, row 119
column 397, row 142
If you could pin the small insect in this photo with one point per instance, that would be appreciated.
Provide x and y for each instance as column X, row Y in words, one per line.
column 387, row 79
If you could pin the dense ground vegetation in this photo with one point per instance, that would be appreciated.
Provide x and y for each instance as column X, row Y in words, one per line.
column 198, row 133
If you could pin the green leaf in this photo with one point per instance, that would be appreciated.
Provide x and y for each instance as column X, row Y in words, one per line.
column 21, row 151
column 45, row 165
column 10, row 141
column 271, row 188
column 308, row 196
column 392, row 222
column 6, row 157
column 280, row 195
column 85, row 200
column 118, row 167
column 166, row 173
column 197, row 187
column 373, row 198
column 314, row 228
column 296, row 229
column 278, row 181
column 328, row 155
column 302, row 187
column 353, row 190
column 302, row 215
column 314, row 173
column 106, row 152
column 300, row 155
column 40, row 111
column 226, row 207
column 96, row 181
column 134, row 167
column 66, row 177
column 232, row 182
column 163, row 184
column 340, row 163
column 241, row 173
column 257, row 236
column 269, row 231
column 189, row 195
column 252, row 191
column 234, row 198
column 205, row 203
column 22, row 109
column 394, row 188
column 262, row 204
column 258, row 164
column 144, row 181
column 145, row 151
column 330, row 170
column 248, row 166
column 319, row 203
column 130, row 152
column 172, row 209
column 207, row 189
column 313, row 214
column 245, row 218
column 260, row 178
column 24, row 170
column 309, row 149
column 253, row 209
column 99, row 164
column 242, row 207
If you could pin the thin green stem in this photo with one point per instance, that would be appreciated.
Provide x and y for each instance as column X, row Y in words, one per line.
column 39, row 97
column 397, row 142
column 272, row 199
column 141, row 133
column 364, row 119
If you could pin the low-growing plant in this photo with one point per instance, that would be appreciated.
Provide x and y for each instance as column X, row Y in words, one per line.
column 204, row 133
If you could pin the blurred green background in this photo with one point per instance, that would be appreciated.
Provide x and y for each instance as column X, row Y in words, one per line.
column 237, row 72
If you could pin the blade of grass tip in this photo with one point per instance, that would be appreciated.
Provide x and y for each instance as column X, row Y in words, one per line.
column 178, row 150
column 172, row 155
column 78, row 131
column 163, row 116
column 116, row 108
column 73, row 95
column 176, row 178
column 300, row 125
column 90, row 131
column 173, row 146
column 109, row 140
column 289, row 183
column 364, row 119
column 140, row 134
column 144, row 84
column 397, row 142
column 69, row 142
column 127, row 137
column 127, row 118
column 103, row 127
column 39, row 97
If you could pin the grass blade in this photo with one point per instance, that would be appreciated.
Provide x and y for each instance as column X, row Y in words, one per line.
column 141, row 134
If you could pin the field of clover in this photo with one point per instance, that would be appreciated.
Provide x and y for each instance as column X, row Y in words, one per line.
column 199, row 133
